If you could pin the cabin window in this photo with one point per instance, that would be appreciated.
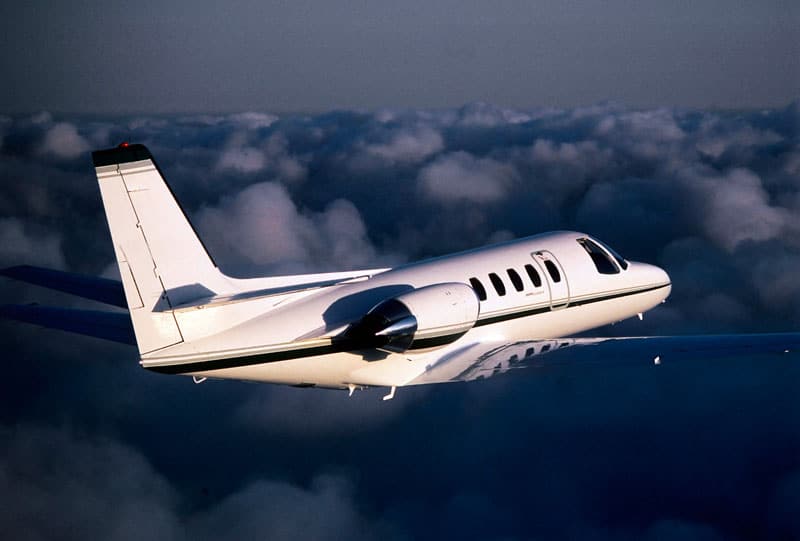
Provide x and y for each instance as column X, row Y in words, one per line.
column 552, row 270
column 478, row 287
column 533, row 275
column 601, row 260
column 498, row 284
column 515, row 279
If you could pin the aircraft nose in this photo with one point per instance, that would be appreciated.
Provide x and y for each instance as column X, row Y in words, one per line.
column 666, row 280
column 660, row 275
column 655, row 277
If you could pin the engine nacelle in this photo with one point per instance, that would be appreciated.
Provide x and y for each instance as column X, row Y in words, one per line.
column 427, row 317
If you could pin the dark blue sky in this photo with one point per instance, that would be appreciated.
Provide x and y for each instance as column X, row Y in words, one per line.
column 311, row 55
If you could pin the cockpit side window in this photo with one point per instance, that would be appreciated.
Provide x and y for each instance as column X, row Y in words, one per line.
column 600, row 258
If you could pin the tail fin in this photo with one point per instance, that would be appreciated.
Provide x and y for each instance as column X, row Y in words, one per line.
column 161, row 259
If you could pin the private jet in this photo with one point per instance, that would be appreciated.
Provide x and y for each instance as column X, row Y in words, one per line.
column 459, row 317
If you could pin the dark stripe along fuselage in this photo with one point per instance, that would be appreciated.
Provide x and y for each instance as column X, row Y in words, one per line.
column 341, row 346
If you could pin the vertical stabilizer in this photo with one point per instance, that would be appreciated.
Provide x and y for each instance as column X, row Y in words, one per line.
column 161, row 259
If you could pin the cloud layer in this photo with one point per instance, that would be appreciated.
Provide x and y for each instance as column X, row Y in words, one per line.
column 93, row 444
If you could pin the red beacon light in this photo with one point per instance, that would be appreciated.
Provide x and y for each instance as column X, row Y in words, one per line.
column 124, row 144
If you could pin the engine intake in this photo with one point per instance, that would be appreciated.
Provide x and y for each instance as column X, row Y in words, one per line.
column 431, row 316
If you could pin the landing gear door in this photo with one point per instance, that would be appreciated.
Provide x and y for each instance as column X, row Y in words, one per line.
column 555, row 277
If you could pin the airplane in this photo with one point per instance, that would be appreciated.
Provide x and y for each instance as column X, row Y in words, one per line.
column 460, row 317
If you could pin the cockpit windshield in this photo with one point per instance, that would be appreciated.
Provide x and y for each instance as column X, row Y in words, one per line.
column 601, row 259
column 621, row 260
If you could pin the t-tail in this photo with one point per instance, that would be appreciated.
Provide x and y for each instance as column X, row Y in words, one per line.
column 162, row 261
column 169, row 283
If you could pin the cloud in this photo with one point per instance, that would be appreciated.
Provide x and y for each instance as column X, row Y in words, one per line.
column 558, row 171
column 72, row 486
column 715, row 137
column 242, row 159
column 18, row 245
column 648, row 135
column 63, row 141
column 459, row 176
column 271, row 232
column 712, row 196
column 253, row 120
column 737, row 208
column 69, row 487
column 150, row 124
column 42, row 117
column 287, row 168
column 658, row 125
column 408, row 145
column 773, row 276
column 278, row 510
column 484, row 114
column 249, row 155
column 277, row 411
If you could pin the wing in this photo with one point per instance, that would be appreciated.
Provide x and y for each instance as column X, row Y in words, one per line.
column 114, row 326
column 89, row 287
column 483, row 360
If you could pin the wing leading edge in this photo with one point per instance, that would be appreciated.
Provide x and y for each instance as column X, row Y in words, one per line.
column 479, row 361
column 114, row 326
column 89, row 287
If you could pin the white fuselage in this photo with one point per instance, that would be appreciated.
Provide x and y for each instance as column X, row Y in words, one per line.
column 292, row 338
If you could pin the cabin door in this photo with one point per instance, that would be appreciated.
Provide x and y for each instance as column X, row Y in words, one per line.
column 555, row 277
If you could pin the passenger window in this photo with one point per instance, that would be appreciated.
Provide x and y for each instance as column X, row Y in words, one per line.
column 553, row 270
column 478, row 287
column 533, row 275
column 515, row 279
column 497, row 283
column 601, row 261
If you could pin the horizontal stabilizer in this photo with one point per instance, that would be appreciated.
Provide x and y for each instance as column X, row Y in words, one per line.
column 89, row 287
column 106, row 325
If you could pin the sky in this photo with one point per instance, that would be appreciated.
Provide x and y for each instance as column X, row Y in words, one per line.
column 302, row 138
column 94, row 57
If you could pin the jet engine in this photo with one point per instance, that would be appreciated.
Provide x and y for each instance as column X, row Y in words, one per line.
column 427, row 317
